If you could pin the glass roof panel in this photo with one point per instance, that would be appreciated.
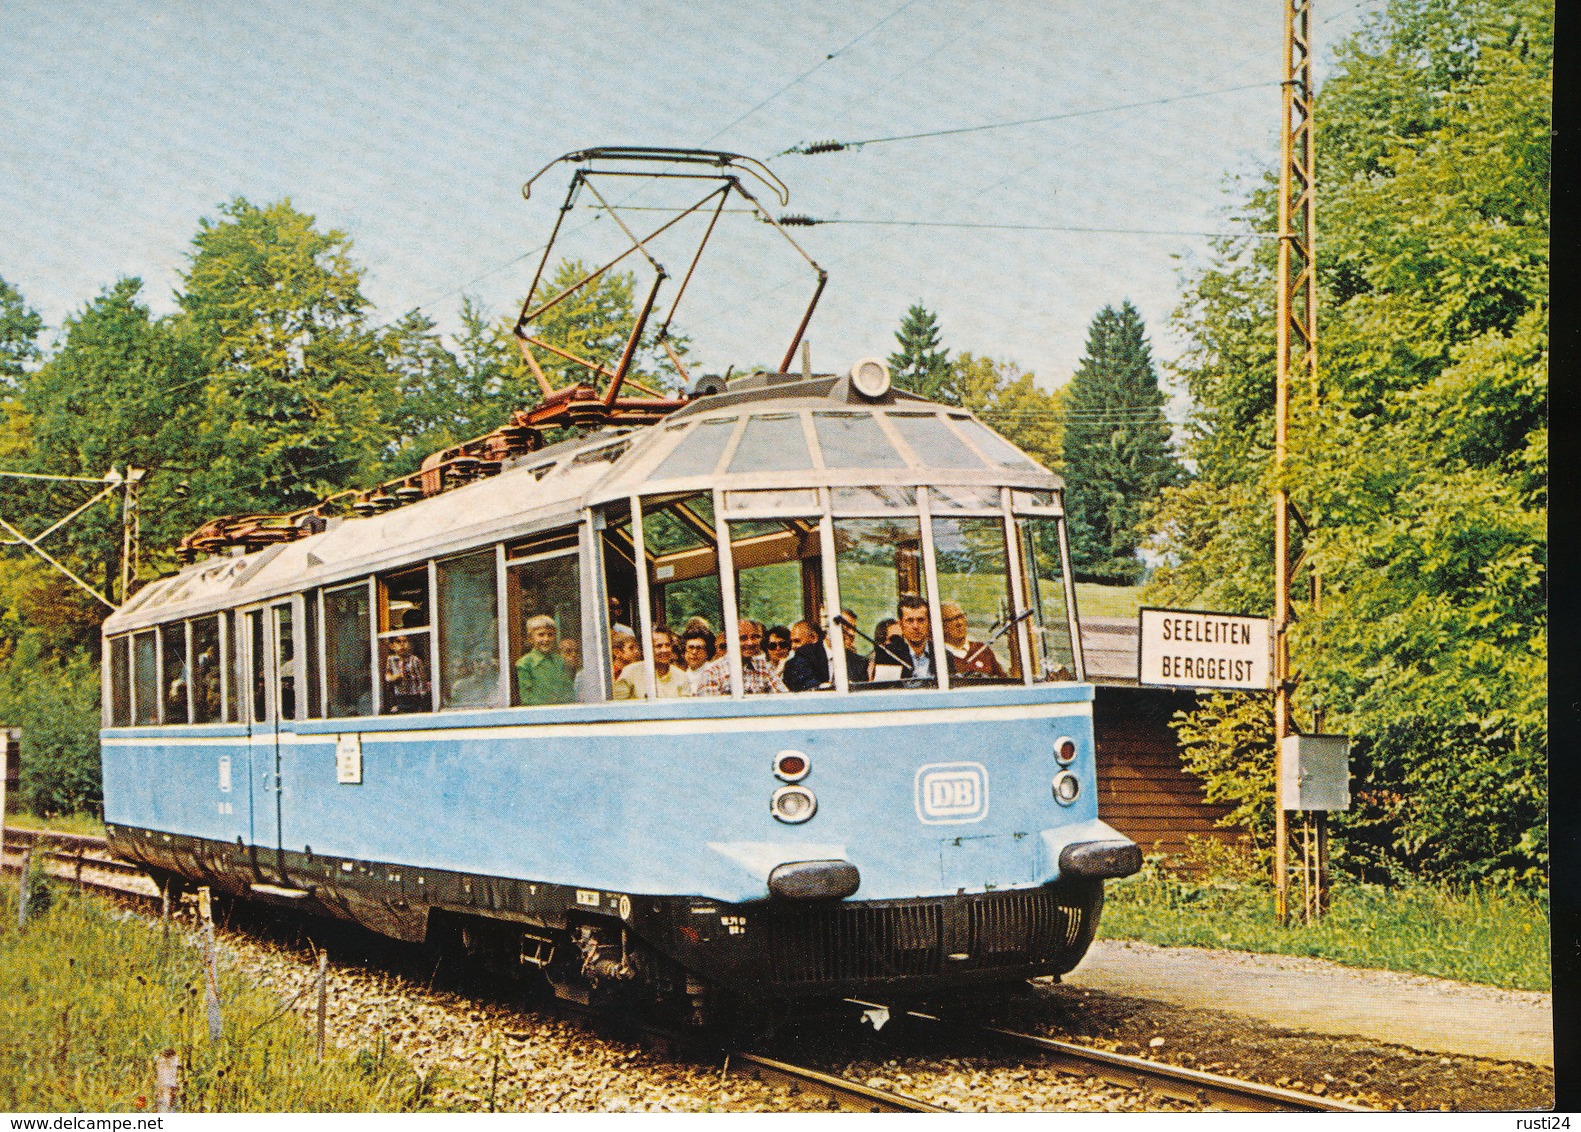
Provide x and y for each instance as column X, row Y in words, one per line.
column 772, row 443
column 934, row 442
column 994, row 446
column 698, row 454
column 854, row 440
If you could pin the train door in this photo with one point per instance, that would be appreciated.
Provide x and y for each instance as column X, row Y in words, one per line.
column 287, row 690
column 270, row 690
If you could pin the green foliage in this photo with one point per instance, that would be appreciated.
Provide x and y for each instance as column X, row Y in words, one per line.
column 55, row 701
column 19, row 330
column 1116, row 446
column 297, row 386
column 89, row 998
column 444, row 396
column 1228, row 743
column 77, row 822
column 920, row 366
column 35, row 891
column 1423, row 470
column 1011, row 402
column 120, row 390
column 1479, row 934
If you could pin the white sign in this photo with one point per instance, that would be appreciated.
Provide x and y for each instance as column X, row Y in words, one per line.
column 348, row 759
column 1186, row 648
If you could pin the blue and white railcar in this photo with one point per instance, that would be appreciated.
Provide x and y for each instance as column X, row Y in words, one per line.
column 409, row 719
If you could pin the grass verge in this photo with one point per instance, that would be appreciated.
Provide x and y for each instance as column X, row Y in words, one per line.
column 57, row 823
column 1494, row 937
column 90, row 995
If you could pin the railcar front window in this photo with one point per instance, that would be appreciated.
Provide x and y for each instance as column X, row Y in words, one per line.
column 348, row 651
column 544, row 613
column 1052, row 658
column 778, row 583
column 878, row 563
column 469, row 633
column 975, row 602
column 145, row 679
column 173, row 638
column 120, row 682
column 206, row 670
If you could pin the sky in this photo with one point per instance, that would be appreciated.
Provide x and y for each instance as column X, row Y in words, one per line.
column 411, row 127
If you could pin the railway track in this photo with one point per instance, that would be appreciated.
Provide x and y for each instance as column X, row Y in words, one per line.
column 84, row 860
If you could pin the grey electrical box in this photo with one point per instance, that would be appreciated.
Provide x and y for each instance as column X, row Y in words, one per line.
column 1315, row 772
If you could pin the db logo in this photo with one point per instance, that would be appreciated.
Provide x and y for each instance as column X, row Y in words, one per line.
column 952, row 793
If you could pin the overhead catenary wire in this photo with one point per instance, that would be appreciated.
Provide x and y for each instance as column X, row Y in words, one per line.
column 807, row 73
column 832, row 146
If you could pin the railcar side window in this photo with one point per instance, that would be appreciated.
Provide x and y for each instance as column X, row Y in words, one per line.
column 285, row 663
column 348, row 652
column 145, row 679
column 315, row 707
column 680, row 541
column 233, row 667
column 544, row 613
column 206, row 670
column 405, row 648
column 469, row 633
column 879, row 566
column 975, row 601
column 260, row 666
column 173, row 638
column 1038, row 536
column 120, row 682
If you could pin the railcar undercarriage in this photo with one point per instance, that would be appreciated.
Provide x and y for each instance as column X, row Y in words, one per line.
column 690, row 955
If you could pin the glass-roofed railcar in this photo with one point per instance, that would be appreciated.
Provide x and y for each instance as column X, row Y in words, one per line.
column 410, row 719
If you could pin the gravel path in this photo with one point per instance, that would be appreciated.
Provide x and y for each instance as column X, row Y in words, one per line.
column 1327, row 998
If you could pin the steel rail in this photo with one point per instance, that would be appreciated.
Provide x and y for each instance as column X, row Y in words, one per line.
column 841, row 1093
column 1177, row 1082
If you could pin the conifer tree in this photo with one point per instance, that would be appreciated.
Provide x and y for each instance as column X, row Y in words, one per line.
column 920, row 366
column 1116, row 443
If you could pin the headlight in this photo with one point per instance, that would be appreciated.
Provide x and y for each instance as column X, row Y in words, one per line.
column 870, row 378
column 1066, row 787
column 1065, row 750
column 791, row 766
column 793, row 804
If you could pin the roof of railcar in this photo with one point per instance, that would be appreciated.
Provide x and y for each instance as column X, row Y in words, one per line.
column 544, row 489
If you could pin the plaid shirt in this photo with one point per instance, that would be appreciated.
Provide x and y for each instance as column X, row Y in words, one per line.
column 757, row 674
